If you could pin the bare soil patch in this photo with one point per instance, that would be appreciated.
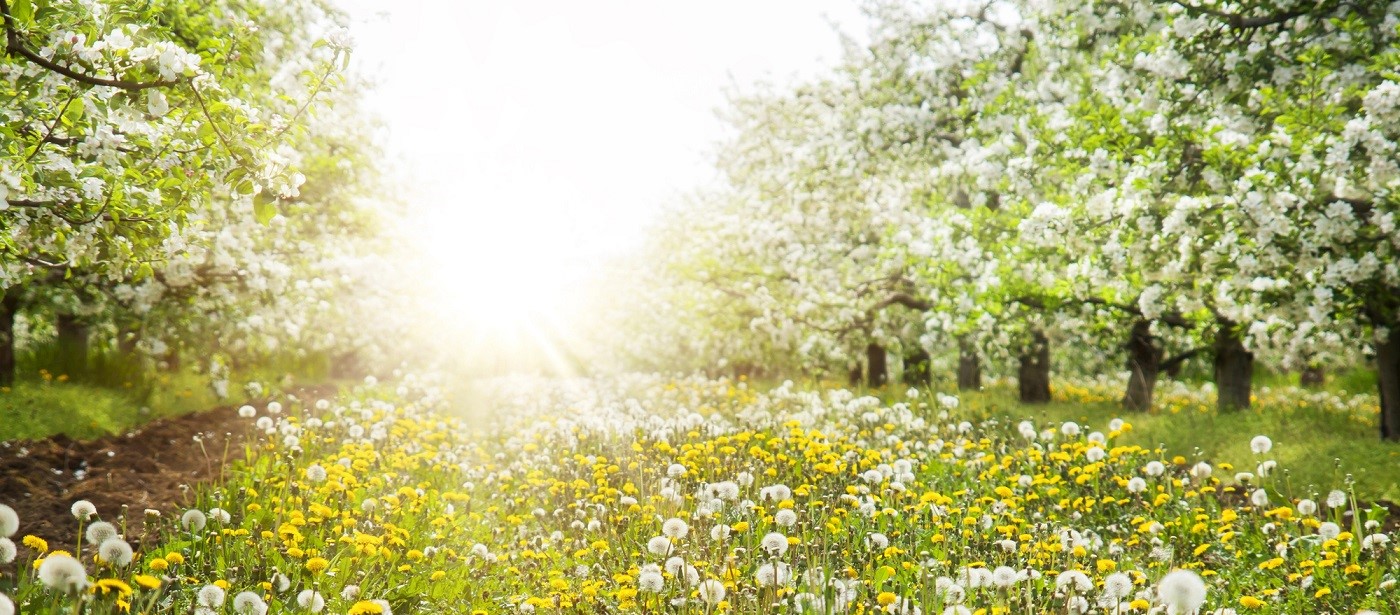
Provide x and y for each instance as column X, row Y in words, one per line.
column 155, row 466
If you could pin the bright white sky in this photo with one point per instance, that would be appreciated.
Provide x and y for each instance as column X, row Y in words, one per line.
column 543, row 135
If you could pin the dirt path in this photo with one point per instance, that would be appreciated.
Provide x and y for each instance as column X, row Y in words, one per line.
column 155, row 466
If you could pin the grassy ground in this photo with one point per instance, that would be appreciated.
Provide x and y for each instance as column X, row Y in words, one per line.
column 1316, row 449
column 1318, row 446
column 31, row 410
column 108, row 401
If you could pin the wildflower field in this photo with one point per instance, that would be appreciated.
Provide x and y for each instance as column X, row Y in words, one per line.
column 642, row 494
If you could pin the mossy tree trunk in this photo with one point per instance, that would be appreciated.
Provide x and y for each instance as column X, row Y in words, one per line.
column 876, row 366
column 1234, row 368
column 1034, row 373
column 1144, row 363
column 9, row 310
column 969, row 367
column 1388, row 381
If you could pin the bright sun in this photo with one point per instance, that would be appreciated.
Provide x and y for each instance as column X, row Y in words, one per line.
column 500, row 286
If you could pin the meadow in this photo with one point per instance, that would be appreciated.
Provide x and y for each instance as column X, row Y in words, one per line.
column 646, row 494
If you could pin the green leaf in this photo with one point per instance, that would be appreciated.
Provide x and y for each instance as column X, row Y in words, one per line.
column 74, row 113
column 883, row 574
column 22, row 11
column 264, row 211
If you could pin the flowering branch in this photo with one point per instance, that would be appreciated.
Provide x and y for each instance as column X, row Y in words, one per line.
column 15, row 46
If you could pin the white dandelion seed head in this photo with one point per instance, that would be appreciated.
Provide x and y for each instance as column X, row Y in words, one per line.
column 1095, row 454
column 9, row 521
column 1117, row 586
column 1336, row 498
column 315, row 473
column 7, row 607
column 1259, row 498
column 115, row 551
column 280, row 582
column 1027, row 430
column 876, row 540
column 100, row 532
column 785, row 518
column 82, row 509
column 8, row 551
column 1154, row 468
column 774, row 543
column 1004, row 576
column 675, row 528
column 265, row 424
column 220, row 515
column 384, row 606
column 659, row 545
column 674, row 565
column 274, row 407
column 1328, row 530
column 1266, row 468
column 311, row 600
column 193, row 520
column 650, row 581
column 63, row 573
column 1261, row 445
column 711, row 591
column 1070, row 428
column 1375, row 541
column 1307, row 507
column 773, row 574
column 1201, row 470
column 350, row 592
column 675, row 470
column 247, row 412
column 1182, row 591
column 1136, row 485
column 1073, row 580
column 249, row 603
column 211, row 596
column 720, row 532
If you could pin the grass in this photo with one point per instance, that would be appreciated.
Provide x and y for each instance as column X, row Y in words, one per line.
column 32, row 410
column 1318, row 446
column 1317, row 449
column 111, row 399
column 645, row 494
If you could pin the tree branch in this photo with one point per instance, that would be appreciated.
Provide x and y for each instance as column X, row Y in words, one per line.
column 1168, row 365
column 15, row 46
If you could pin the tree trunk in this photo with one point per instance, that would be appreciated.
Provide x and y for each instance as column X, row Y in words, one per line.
column 72, row 342
column 969, row 367
column 876, row 368
column 1034, row 375
column 1144, row 361
column 1234, row 368
column 9, row 309
column 916, row 369
column 1388, row 381
column 127, row 340
column 1313, row 376
column 854, row 376
column 171, row 359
